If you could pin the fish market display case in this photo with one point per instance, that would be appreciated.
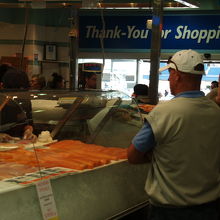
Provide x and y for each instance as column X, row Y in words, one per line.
column 80, row 146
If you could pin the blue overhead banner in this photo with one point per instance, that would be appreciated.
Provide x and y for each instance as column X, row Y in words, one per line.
column 199, row 32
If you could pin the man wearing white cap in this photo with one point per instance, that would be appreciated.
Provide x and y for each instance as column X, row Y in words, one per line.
column 181, row 139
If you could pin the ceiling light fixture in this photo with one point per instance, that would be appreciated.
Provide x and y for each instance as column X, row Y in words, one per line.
column 188, row 3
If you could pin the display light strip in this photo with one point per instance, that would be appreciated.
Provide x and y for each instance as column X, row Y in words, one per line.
column 187, row 3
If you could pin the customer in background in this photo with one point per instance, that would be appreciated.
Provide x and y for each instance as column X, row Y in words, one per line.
column 15, row 79
column 181, row 141
column 140, row 93
column 57, row 81
column 166, row 93
column 19, row 122
column 90, row 80
column 214, row 94
column 37, row 82
column 3, row 69
column 214, row 84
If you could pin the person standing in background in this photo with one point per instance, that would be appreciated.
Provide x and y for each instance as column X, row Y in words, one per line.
column 3, row 69
column 19, row 116
column 166, row 93
column 214, row 94
column 181, row 141
column 15, row 79
column 140, row 93
column 57, row 81
column 214, row 84
column 90, row 80
column 37, row 82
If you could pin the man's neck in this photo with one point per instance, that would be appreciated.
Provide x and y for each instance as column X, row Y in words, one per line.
column 187, row 89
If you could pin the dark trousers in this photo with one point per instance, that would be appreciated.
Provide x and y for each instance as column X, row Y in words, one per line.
column 208, row 211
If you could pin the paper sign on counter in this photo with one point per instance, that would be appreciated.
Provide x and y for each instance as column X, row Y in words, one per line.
column 46, row 198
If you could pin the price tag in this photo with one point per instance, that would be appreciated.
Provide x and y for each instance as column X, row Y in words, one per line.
column 46, row 198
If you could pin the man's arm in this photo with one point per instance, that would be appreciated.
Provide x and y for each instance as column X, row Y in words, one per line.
column 140, row 150
column 217, row 98
column 135, row 156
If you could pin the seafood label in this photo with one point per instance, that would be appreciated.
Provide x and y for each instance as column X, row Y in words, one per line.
column 46, row 199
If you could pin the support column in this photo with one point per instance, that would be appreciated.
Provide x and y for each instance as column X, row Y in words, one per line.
column 155, row 50
column 74, row 46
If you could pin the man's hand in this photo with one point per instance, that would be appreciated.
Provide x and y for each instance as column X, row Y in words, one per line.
column 5, row 137
column 28, row 134
column 217, row 98
column 135, row 156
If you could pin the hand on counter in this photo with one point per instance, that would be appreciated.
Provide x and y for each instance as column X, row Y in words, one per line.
column 5, row 137
column 136, row 157
column 28, row 134
column 122, row 115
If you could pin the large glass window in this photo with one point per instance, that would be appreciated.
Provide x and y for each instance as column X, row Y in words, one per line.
column 123, row 74
column 212, row 71
column 118, row 74
column 144, row 72
column 144, row 75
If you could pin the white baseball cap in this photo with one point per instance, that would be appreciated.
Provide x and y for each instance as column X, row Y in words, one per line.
column 187, row 61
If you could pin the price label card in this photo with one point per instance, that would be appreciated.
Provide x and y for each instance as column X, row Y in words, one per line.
column 46, row 198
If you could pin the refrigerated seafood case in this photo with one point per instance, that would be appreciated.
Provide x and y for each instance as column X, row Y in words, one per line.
column 81, row 148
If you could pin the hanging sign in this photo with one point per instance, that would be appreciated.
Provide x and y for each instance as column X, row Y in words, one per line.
column 199, row 32
column 92, row 67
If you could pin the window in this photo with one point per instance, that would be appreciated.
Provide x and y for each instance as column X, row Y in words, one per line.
column 118, row 74
column 121, row 74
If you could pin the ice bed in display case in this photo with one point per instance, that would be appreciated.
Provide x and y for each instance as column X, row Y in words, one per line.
column 81, row 144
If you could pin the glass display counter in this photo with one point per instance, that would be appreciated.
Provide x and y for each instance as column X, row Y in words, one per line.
column 80, row 145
